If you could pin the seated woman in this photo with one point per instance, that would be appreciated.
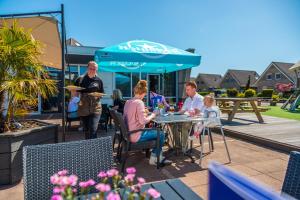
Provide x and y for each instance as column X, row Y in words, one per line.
column 156, row 99
column 136, row 118
column 119, row 102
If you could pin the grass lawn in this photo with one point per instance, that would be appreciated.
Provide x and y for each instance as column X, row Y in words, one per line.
column 276, row 111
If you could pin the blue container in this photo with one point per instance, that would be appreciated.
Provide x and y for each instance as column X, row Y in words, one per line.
column 227, row 184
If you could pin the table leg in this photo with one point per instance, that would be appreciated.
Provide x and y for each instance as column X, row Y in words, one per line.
column 255, row 109
column 232, row 113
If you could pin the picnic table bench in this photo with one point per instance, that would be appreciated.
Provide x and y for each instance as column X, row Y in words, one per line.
column 231, row 106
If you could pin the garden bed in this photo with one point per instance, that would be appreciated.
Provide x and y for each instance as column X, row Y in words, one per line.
column 12, row 143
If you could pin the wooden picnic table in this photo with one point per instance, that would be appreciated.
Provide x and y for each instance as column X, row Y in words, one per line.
column 240, row 105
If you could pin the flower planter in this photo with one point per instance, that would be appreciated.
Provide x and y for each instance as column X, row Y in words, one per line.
column 12, row 143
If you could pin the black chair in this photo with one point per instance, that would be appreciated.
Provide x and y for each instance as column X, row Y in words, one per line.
column 70, row 117
column 291, row 184
column 117, row 134
column 127, row 146
column 104, row 119
column 85, row 158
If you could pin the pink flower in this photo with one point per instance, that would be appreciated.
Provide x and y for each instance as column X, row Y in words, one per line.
column 87, row 184
column 103, row 187
column 58, row 190
column 135, row 188
column 153, row 193
column 141, row 180
column 64, row 180
column 112, row 172
column 74, row 190
column 102, row 175
column 55, row 179
column 63, row 172
column 129, row 177
column 113, row 196
column 130, row 170
column 73, row 180
column 56, row 197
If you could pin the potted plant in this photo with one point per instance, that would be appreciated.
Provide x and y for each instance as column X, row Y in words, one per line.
column 22, row 80
column 112, row 186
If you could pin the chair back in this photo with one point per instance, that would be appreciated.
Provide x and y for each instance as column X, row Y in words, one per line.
column 122, row 125
column 114, row 117
column 85, row 158
column 291, row 184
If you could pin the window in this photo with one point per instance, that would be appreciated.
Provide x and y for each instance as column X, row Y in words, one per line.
column 169, row 84
column 277, row 76
column 123, row 83
column 82, row 70
column 269, row 76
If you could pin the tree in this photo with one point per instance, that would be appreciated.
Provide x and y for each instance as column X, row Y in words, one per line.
column 22, row 77
column 248, row 83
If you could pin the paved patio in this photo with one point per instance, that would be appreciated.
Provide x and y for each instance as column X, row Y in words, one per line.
column 261, row 164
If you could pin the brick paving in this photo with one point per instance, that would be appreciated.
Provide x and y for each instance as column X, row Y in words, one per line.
column 261, row 164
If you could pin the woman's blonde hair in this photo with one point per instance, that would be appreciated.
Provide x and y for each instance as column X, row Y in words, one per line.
column 117, row 94
column 141, row 87
column 209, row 98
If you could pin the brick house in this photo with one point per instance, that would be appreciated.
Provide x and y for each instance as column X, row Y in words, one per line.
column 238, row 79
column 208, row 82
column 276, row 72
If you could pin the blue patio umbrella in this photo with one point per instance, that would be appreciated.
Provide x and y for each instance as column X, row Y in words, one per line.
column 144, row 56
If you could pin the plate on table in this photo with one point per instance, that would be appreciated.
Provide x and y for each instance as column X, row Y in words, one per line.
column 73, row 87
column 97, row 94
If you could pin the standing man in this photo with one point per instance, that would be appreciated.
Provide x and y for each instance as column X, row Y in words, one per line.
column 89, row 108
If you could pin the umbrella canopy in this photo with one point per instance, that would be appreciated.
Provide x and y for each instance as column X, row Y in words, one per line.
column 144, row 56
column 295, row 66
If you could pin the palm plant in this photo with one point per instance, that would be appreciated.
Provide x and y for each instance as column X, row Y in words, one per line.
column 22, row 77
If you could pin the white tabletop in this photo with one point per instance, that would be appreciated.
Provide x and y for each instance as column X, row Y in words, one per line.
column 176, row 119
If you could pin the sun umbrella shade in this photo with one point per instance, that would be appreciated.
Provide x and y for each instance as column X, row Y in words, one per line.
column 144, row 56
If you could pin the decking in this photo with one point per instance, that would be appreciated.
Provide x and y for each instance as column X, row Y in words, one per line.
column 279, row 133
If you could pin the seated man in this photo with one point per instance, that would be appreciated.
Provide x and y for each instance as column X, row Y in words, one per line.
column 192, row 104
column 194, row 101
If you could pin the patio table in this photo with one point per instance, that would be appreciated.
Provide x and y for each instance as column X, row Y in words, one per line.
column 239, row 108
column 171, row 189
column 177, row 137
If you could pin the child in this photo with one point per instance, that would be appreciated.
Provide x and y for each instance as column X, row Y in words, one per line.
column 208, row 111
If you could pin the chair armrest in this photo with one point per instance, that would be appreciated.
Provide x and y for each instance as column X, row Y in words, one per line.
column 143, row 129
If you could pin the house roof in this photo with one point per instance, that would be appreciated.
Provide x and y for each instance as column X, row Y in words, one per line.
column 283, row 68
column 242, row 76
column 73, row 42
column 211, row 80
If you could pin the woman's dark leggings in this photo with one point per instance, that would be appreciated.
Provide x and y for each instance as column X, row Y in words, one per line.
column 90, row 125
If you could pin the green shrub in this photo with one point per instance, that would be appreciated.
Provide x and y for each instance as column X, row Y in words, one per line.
column 275, row 97
column 241, row 95
column 232, row 92
column 250, row 93
column 259, row 94
column 203, row 93
column 223, row 95
column 267, row 93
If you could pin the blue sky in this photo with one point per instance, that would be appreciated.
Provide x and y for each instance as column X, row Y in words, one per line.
column 239, row 34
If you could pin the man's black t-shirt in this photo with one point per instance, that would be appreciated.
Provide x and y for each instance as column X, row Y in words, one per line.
column 94, row 84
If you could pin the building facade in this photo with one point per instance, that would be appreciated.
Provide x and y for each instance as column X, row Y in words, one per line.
column 171, row 85
column 208, row 82
column 238, row 79
column 276, row 72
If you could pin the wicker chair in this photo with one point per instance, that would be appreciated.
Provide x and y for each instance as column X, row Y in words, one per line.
column 291, row 184
column 127, row 146
column 84, row 158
